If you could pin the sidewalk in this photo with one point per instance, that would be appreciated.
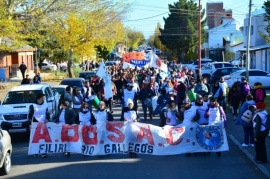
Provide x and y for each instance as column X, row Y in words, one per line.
column 236, row 134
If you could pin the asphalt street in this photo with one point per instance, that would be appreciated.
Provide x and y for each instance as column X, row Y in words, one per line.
column 233, row 163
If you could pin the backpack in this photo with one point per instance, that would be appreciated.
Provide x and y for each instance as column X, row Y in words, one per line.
column 267, row 123
column 259, row 94
column 247, row 116
column 246, row 89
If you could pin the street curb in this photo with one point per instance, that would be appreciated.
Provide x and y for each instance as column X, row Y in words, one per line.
column 261, row 167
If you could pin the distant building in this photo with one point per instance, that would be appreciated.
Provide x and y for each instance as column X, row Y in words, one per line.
column 258, row 26
column 10, row 60
column 259, row 49
column 215, row 13
column 225, row 37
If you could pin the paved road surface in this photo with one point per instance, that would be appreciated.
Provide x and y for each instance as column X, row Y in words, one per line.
column 232, row 164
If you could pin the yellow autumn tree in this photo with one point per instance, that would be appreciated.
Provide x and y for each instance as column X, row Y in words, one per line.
column 80, row 32
column 10, row 37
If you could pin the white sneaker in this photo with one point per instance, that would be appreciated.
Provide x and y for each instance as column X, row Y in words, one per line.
column 251, row 145
column 244, row 145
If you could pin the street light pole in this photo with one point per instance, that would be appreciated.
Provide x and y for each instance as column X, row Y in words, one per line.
column 199, row 38
column 248, row 41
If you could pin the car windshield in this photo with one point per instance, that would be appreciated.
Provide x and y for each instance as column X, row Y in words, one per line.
column 72, row 83
column 60, row 91
column 18, row 97
column 87, row 75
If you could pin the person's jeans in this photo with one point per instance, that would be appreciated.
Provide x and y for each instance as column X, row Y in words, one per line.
column 90, row 106
column 222, row 102
column 150, row 108
column 249, row 135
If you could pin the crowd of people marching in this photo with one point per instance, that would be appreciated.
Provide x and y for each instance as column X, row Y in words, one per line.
column 180, row 98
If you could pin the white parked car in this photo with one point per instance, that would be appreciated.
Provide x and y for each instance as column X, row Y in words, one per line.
column 5, row 152
column 14, row 108
column 46, row 66
column 255, row 75
column 194, row 64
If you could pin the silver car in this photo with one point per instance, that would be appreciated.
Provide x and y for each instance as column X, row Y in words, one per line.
column 5, row 152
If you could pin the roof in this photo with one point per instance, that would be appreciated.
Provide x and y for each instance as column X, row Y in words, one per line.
column 256, row 48
column 59, row 86
column 30, row 87
column 24, row 48
column 72, row 79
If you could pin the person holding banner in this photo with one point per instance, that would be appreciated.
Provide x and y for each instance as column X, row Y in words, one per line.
column 201, row 109
column 188, row 114
column 39, row 112
column 85, row 115
column 131, row 115
column 102, row 115
column 171, row 114
column 66, row 115
column 215, row 115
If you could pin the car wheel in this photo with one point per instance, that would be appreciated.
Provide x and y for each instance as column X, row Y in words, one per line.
column 6, row 165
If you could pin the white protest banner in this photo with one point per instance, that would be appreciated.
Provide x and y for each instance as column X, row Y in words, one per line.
column 108, row 87
column 101, row 72
column 128, row 65
column 157, row 63
column 123, row 137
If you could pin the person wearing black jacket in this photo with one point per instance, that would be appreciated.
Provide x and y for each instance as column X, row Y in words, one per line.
column 145, row 96
column 66, row 115
column 26, row 80
column 38, row 112
column 23, row 68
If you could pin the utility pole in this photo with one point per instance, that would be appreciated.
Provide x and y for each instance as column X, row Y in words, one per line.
column 199, row 39
column 248, row 41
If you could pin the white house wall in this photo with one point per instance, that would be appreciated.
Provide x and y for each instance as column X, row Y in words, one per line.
column 257, row 25
column 215, row 35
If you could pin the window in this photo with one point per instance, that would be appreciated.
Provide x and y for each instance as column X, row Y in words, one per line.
column 257, row 73
column 251, row 30
column 234, row 70
column 218, row 65
column 246, row 29
column 228, row 65
column 224, row 72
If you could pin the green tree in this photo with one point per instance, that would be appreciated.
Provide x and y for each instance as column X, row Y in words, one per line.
column 134, row 38
column 10, row 28
column 181, row 28
column 266, row 6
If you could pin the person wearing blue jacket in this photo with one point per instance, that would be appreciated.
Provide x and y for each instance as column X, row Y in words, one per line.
column 247, row 127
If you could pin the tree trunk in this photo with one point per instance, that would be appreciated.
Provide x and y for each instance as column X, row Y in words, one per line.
column 70, row 63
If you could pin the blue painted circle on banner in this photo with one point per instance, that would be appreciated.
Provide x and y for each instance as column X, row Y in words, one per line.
column 209, row 137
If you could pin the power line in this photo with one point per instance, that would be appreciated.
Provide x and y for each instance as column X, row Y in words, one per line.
column 145, row 18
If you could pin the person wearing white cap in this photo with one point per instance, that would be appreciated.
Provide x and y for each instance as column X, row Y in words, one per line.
column 188, row 112
column 102, row 114
column 130, row 115
column 129, row 93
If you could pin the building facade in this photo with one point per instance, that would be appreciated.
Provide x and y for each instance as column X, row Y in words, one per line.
column 215, row 13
